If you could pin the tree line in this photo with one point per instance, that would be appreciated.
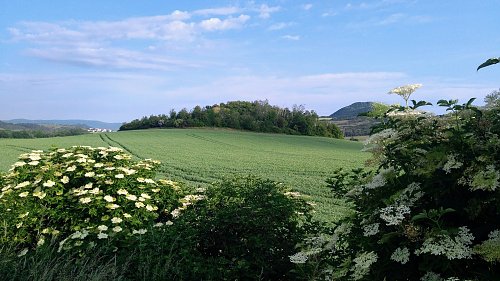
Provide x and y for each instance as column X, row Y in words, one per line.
column 257, row 116
column 31, row 134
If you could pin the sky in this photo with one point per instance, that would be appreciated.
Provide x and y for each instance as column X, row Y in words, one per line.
column 118, row 60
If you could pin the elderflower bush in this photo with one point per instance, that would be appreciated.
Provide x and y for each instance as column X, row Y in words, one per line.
column 427, row 208
column 83, row 196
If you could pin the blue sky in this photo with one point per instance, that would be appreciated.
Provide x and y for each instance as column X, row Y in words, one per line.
column 118, row 60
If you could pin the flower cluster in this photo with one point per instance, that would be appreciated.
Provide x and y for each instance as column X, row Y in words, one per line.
column 457, row 247
column 362, row 264
column 84, row 195
column 405, row 91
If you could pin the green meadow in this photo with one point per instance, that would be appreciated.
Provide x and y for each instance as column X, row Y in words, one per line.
column 202, row 156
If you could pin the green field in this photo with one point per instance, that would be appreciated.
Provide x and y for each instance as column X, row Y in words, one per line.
column 201, row 156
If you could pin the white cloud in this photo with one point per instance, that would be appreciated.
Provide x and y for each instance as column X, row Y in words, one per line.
column 280, row 25
column 213, row 24
column 223, row 11
column 307, row 7
column 291, row 37
column 265, row 11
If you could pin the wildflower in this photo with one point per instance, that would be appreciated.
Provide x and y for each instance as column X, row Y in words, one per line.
column 401, row 255
column 146, row 196
column 371, row 229
column 127, row 215
column 98, row 165
column 394, row 215
column 119, row 176
column 71, row 168
column 452, row 163
column 89, row 174
column 108, row 198
column 131, row 197
column 169, row 223
column 40, row 241
column 116, row 220
column 39, row 194
column 109, row 182
column 139, row 204
column 102, row 235
column 117, row 229
column 118, row 157
column 34, row 157
column 362, row 264
column 85, row 200
column 23, row 194
column 150, row 208
column 88, row 185
column 487, row 179
column 405, row 91
column 155, row 190
column 112, row 206
column 65, row 180
column 122, row 192
column 140, row 231
column 67, row 155
column 298, row 258
column 21, row 185
column 19, row 164
column 159, row 224
column 453, row 248
column 102, row 228
column 95, row 191
column 33, row 163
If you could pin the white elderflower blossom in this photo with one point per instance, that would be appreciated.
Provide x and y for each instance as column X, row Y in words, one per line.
column 370, row 229
column 119, row 176
column 487, row 179
column 102, row 235
column 145, row 195
column 452, row 163
column 127, row 215
column 109, row 198
column 102, row 228
column 112, row 206
column 49, row 183
column 401, row 255
column 169, row 223
column 89, row 174
column 71, row 168
column 117, row 229
column 116, row 220
column 453, row 248
column 298, row 258
column 39, row 194
column 379, row 179
column 410, row 195
column 65, row 179
column 23, row 252
column 23, row 194
column 140, row 231
column 21, row 185
column 122, row 191
column 33, row 163
column 362, row 264
column 139, row 204
column 394, row 215
column 431, row 276
column 131, row 197
column 85, row 200
column 405, row 91
column 98, row 165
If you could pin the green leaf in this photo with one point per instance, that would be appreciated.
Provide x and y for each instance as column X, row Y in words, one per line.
column 489, row 62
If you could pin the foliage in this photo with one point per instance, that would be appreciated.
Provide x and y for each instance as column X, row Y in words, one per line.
column 489, row 62
column 431, row 208
column 30, row 134
column 81, row 197
column 247, row 228
column 258, row 116
column 492, row 100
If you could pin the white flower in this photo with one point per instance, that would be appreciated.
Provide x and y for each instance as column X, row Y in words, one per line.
column 98, row 165
column 150, row 208
column 487, row 179
column 71, row 169
column 117, row 229
column 298, row 258
column 39, row 194
column 169, row 223
column 175, row 213
column 19, row 164
column 108, row 198
column 112, row 206
column 131, row 197
column 444, row 245
column 401, row 255
column 34, row 157
column 40, row 241
column 102, row 228
column 159, row 224
column 146, row 196
column 33, row 163
column 127, row 215
column 102, row 235
column 452, row 163
column 94, row 191
column 89, row 174
column 88, row 185
column 21, row 185
column 140, row 231
column 49, row 183
column 65, row 180
column 119, row 176
column 362, row 264
column 122, row 191
column 394, row 215
column 370, row 229
column 23, row 194
column 116, row 220
column 139, row 204
column 85, row 200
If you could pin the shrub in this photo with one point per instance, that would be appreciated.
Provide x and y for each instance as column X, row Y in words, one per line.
column 247, row 228
column 430, row 209
column 82, row 196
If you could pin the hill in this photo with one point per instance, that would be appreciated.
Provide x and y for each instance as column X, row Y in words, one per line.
column 352, row 111
column 78, row 123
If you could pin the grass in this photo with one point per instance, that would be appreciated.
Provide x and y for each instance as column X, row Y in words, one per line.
column 202, row 156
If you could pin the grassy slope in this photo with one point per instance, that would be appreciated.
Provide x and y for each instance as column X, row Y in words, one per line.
column 201, row 156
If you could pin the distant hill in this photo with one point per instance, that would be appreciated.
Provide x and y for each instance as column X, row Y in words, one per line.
column 352, row 111
column 78, row 123
column 350, row 123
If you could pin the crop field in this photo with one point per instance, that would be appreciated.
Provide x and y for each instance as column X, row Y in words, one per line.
column 202, row 156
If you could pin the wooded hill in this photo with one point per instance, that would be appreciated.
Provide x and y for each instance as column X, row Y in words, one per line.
column 257, row 116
